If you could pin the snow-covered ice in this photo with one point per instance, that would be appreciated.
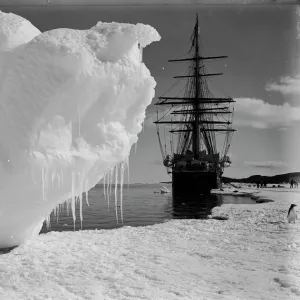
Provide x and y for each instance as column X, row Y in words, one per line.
column 71, row 105
column 255, row 254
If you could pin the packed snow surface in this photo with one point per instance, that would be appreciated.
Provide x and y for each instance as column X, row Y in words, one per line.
column 71, row 105
column 254, row 254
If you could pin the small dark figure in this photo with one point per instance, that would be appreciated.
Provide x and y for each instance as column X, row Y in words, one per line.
column 262, row 184
column 292, row 184
column 257, row 184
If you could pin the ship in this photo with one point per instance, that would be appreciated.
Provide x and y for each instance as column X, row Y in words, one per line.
column 194, row 127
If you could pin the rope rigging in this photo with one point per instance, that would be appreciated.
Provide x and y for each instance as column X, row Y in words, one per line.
column 200, row 122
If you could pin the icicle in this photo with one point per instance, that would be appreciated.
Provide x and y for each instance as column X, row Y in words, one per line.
column 80, row 199
column 106, row 180
column 121, row 189
column 104, row 193
column 47, row 219
column 111, row 180
column 104, row 186
column 127, row 165
column 68, row 206
column 107, row 188
column 58, row 180
column 116, row 189
column 57, row 213
column 80, row 203
column 104, row 190
column 53, row 177
column 73, row 199
column 86, row 192
column 61, row 208
column 109, row 183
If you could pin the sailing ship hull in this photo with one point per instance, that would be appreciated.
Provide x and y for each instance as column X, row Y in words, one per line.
column 194, row 182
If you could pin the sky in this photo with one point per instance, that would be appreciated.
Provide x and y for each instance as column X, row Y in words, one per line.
column 141, row 2
column 261, row 72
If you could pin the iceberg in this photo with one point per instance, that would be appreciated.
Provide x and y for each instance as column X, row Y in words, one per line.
column 72, row 103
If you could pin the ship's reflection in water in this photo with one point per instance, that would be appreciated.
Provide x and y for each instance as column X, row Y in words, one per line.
column 191, row 207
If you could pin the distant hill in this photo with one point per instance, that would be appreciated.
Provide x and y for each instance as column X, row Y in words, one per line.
column 268, row 179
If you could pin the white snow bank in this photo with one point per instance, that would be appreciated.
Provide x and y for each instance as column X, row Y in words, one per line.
column 15, row 31
column 71, row 105
column 254, row 254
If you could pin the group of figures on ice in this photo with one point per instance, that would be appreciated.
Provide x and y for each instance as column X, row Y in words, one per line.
column 293, row 184
column 261, row 184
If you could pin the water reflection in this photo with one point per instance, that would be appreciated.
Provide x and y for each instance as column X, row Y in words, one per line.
column 192, row 207
column 142, row 205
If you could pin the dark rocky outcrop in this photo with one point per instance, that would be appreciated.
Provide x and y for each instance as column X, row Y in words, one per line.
column 277, row 179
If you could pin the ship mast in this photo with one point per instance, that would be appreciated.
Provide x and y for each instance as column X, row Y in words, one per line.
column 196, row 105
column 196, row 123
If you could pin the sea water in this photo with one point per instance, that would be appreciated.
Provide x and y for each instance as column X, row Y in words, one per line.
column 143, row 204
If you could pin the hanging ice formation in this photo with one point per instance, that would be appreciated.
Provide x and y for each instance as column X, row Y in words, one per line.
column 128, row 173
column 72, row 103
column 135, row 147
column 116, row 173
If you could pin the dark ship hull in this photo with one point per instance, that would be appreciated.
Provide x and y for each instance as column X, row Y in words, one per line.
column 194, row 176
column 194, row 183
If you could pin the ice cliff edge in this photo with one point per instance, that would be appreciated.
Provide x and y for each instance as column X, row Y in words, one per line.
column 71, row 105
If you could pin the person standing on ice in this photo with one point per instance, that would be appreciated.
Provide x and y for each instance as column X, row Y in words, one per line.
column 296, row 184
column 292, row 216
